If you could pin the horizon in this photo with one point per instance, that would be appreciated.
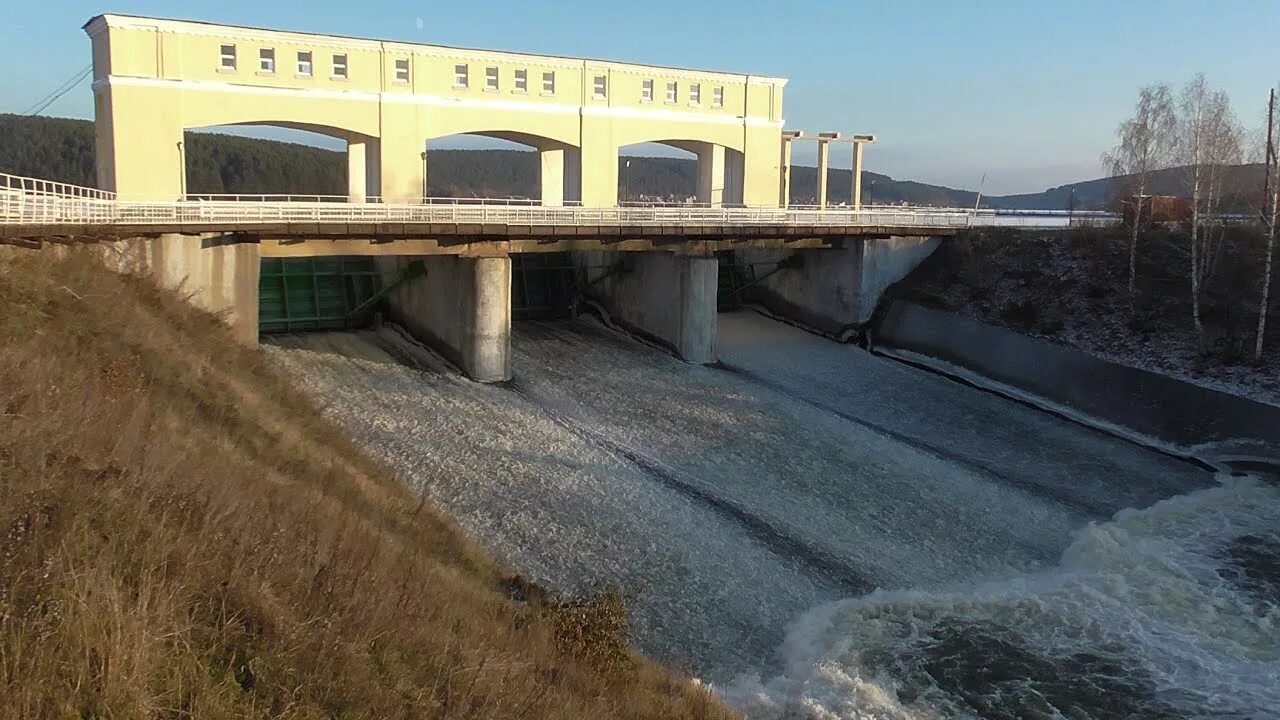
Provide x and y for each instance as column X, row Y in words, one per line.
column 975, row 65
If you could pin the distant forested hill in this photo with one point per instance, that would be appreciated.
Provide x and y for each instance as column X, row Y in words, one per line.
column 62, row 149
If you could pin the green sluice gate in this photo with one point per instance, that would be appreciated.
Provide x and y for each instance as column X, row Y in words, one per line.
column 337, row 293
column 542, row 285
column 321, row 293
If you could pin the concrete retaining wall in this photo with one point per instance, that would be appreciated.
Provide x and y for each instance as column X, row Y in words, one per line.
column 461, row 307
column 836, row 290
column 667, row 298
column 1146, row 403
column 218, row 273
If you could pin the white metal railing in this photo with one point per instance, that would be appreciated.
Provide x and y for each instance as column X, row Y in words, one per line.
column 27, row 201
column 11, row 185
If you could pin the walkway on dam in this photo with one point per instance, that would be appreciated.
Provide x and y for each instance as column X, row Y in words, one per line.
column 36, row 210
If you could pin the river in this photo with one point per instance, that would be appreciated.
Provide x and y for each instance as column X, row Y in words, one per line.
column 819, row 532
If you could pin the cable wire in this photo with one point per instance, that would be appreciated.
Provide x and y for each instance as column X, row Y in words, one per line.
column 43, row 103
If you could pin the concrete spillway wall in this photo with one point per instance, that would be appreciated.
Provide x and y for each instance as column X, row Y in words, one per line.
column 834, row 291
column 667, row 298
column 461, row 307
column 1148, row 404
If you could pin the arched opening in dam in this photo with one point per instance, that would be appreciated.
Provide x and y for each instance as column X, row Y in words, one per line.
column 227, row 162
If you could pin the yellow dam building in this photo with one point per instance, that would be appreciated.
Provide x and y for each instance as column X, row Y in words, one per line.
column 153, row 79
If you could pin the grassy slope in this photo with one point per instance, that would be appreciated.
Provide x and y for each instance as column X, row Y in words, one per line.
column 184, row 536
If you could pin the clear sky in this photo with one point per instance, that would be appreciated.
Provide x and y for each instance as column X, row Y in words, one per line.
column 1029, row 93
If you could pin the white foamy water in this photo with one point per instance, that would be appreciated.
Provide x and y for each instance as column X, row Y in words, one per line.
column 729, row 503
column 1152, row 614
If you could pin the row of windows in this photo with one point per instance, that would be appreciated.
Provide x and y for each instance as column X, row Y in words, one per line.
column 228, row 62
column 462, row 76
column 462, row 79
column 599, row 85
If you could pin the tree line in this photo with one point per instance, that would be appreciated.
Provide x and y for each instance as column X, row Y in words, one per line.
column 1228, row 231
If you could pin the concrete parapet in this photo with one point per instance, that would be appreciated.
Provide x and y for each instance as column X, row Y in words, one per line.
column 667, row 298
column 218, row 273
column 461, row 307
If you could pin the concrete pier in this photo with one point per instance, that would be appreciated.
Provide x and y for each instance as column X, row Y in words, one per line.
column 461, row 307
column 664, row 297
column 218, row 273
column 834, row 291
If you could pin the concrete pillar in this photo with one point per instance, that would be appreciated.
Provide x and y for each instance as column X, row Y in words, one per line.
column 363, row 174
column 402, row 168
column 784, row 190
column 666, row 298
column 461, row 307
column 734, row 178
column 573, row 176
column 856, row 198
column 824, row 158
column 711, row 172
column 551, row 176
column 216, row 273
column 487, row 349
column 140, row 152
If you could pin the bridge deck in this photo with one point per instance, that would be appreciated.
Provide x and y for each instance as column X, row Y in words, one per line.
column 33, row 211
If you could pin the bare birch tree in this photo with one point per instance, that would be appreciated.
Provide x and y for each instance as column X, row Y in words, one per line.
column 1208, row 143
column 1147, row 142
column 1270, row 208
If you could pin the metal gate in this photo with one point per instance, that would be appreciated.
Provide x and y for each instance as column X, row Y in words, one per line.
column 542, row 285
column 322, row 293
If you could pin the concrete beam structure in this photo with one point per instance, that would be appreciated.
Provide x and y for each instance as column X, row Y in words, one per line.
column 784, row 189
column 461, row 307
column 824, row 162
column 667, row 298
column 835, row 291
column 154, row 79
column 855, row 198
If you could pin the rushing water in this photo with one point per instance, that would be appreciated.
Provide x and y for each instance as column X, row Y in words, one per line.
column 822, row 533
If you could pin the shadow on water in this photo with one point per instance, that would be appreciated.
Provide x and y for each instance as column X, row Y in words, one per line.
column 983, row 669
column 1252, row 563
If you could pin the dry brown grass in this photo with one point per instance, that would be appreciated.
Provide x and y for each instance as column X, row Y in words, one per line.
column 183, row 536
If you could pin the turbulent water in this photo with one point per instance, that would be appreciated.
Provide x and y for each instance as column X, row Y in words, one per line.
column 822, row 533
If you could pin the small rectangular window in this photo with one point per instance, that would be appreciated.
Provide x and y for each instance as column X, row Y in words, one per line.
column 717, row 97
column 461, row 77
column 600, row 89
column 695, row 93
column 402, row 72
column 304, row 63
column 549, row 83
column 267, row 60
column 340, row 66
column 672, row 92
column 227, row 57
column 646, row 90
column 491, row 78
column 522, row 80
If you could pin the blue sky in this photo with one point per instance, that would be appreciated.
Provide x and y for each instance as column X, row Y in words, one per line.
column 1028, row 92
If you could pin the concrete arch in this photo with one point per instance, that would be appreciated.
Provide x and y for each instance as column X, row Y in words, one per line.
column 559, row 162
column 337, row 118
column 681, row 135
column 720, row 171
column 339, row 133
